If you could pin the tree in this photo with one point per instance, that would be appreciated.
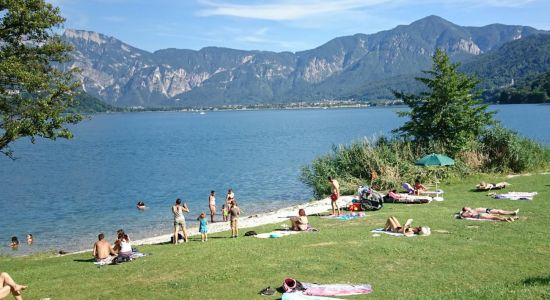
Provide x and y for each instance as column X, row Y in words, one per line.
column 449, row 114
column 34, row 92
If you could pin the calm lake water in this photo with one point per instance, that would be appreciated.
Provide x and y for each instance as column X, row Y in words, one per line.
column 66, row 192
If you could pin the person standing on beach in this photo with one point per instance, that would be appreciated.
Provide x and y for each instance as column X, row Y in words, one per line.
column 203, row 227
column 335, row 194
column 234, row 213
column 179, row 219
column 229, row 198
column 212, row 205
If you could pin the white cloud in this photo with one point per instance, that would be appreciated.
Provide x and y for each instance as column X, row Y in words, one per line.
column 284, row 10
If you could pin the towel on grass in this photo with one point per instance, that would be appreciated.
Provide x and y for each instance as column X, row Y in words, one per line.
column 345, row 217
column 516, row 195
column 282, row 232
column 381, row 230
column 457, row 216
column 314, row 289
column 298, row 295
column 135, row 255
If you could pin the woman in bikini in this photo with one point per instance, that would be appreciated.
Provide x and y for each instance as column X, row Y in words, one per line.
column 393, row 225
column 212, row 205
column 229, row 198
column 489, row 214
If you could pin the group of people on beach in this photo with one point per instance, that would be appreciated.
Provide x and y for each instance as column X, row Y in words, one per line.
column 230, row 212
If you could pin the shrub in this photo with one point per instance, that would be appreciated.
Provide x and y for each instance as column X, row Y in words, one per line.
column 507, row 151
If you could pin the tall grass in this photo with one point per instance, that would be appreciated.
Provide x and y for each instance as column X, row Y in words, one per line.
column 386, row 163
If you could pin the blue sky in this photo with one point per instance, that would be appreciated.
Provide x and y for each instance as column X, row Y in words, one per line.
column 283, row 25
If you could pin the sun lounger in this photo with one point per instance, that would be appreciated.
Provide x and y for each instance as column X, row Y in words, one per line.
column 436, row 194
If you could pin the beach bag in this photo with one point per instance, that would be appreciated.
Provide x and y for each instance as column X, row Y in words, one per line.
column 250, row 233
column 121, row 259
column 290, row 285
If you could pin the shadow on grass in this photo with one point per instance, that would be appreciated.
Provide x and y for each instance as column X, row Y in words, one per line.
column 537, row 280
column 88, row 260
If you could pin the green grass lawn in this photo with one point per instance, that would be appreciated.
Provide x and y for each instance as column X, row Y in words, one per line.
column 460, row 260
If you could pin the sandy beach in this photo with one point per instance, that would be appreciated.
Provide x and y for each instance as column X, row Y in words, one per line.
column 274, row 217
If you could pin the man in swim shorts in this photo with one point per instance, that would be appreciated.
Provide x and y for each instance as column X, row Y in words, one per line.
column 335, row 194
column 103, row 251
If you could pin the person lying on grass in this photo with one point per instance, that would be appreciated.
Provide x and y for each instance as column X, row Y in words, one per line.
column 300, row 222
column 8, row 285
column 488, row 186
column 393, row 225
column 489, row 214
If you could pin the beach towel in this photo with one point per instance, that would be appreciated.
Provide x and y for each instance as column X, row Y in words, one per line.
column 345, row 217
column 314, row 289
column 300, row 296
column 516, row 196
column 457, row 216
column 135, row 255
column 381, row 230
column 277, row 234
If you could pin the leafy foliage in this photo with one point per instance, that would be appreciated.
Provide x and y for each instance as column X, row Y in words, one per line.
column 86, row 104
column 33, row 93
column 449, row 113
column 532, row 90
column 504, row 150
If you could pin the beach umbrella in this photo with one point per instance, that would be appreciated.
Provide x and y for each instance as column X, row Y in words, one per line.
column 435, row 160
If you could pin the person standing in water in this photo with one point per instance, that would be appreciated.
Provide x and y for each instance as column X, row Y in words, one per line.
column 212, row 205
column 335, row 194
column 179, row 220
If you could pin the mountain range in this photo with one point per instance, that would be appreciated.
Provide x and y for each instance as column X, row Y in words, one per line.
column 362, row 67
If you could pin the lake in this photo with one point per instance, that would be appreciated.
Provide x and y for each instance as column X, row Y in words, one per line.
column 66, row 192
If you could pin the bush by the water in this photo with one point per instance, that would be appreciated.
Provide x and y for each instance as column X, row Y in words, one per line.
column 387, row 163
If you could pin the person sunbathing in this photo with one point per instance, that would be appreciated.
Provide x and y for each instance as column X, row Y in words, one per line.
column 8, row 286
column 489, row 186
column 300, row 222
column 489, row 214
column 394, row 197
column 393, row 225
column 419, row 188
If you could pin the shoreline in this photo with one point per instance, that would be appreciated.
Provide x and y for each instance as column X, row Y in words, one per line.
column 259, row 219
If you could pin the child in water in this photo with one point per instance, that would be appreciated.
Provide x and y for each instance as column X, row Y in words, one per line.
column 29, row 239
column 225, row 213
column 14, row 242
column 203, row 227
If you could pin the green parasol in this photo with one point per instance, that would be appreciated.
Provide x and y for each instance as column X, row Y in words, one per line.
column 435, row 160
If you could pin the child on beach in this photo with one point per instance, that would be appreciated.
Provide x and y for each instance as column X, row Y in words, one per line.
column 203, row 227
column 225, row 213
column 234, row 213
